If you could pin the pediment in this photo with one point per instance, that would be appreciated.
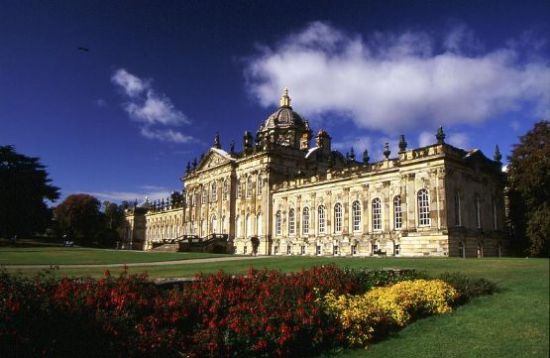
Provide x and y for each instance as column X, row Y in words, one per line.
column 214, row 159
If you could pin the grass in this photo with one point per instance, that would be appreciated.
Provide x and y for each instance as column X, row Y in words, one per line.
column 511, row 323
column 87, row 256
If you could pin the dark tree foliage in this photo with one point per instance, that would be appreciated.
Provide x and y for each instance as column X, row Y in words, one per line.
column 114, row 215
column 79, row 216
column 176, row 199
column 529, row 182
column 24, row 190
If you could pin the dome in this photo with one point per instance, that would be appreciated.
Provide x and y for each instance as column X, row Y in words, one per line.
column 284, row 117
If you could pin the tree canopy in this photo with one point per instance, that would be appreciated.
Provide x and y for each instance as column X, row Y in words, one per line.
column 79, row 216
column 529, row 184
column 86, row 220
column 24, row 190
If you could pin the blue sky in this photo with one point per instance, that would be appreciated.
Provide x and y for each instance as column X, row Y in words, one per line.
column 156, row 80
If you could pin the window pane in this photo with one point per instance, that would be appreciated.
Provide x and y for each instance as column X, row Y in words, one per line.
column 423, row 208
column 356, row 216
column 397, row 213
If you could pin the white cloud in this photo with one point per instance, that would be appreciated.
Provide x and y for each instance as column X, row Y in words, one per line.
column 375, row 146
column 155, row 109
column 118, row 196
column 458, row 139
column 395, row 82
column 359, row 145
column 131, row 84
column 425, row 139
column 150, row 108
column 166, row 135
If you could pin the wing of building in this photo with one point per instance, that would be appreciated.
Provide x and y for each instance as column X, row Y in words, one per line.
column 282, row 195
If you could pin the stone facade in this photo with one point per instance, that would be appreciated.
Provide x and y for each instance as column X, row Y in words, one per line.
column 281, row 196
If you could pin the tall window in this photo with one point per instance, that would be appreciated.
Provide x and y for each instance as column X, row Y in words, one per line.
column 205, row 195
column 356, row 215
column 338, row 218
column 213, row 193
column 259, row 185
column 478, row 211
column 225, row 188
column 260, row 225
column 238, row 226
column 248, row 225
column 213, row 224
column 423, row 208
column 376, row 214
column 249, row 187
column 238, row 184
column 305, row 221
column 278, row 223
column 397, row 213
column 458, row 209
column 321, row 219
column 291, row 222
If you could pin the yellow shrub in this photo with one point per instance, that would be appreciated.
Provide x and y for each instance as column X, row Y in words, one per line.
column 386, row 307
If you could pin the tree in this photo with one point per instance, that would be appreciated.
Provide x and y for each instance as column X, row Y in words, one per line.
column 79, row 216
column 529, row 183
column 114, row 215
column 24, row 190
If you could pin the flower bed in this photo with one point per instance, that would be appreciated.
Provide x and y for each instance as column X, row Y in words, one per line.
column 262, row 313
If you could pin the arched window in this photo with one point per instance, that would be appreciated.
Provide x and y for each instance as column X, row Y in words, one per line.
column 305, row 221
column 213, row 193
column 376, row 214
column 338, row 218
column 458, row 209
column 397, row 213
column 204, row 195
column 321, row 219
column 291, row 222
column 249, row 231
column 225, row 188
column 238, row 226
column 249, row 186
column 477, row 204
column 213, row 224
column 423, row 208
column 356, row 215
column 278, row 223
column 259, row 185
column 259, row 225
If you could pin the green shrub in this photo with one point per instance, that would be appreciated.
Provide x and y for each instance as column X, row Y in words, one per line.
column 468, row 287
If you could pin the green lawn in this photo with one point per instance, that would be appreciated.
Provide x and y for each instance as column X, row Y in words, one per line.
column 86, row 256
column 511, row 323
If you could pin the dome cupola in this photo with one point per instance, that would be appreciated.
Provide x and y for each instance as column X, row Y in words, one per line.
column 284, row 126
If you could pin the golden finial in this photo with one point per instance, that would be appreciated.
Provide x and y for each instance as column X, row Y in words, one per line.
column 285, row 99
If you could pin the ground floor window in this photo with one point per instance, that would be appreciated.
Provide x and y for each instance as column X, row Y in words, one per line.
column 275, row 250
column 396, row 249
column 245, row 250
column 354, row 249
column 335, row 250
column 288, row 249
column 318, row 250
column 303, row 250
